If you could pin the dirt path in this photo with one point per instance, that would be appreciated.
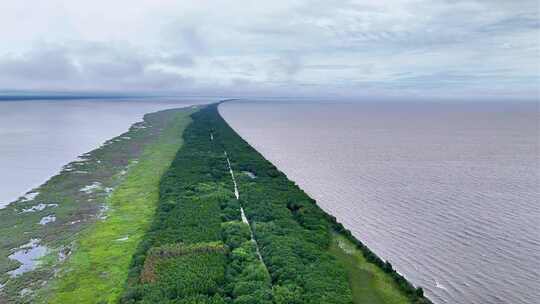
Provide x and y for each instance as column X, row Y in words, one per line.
column 244, row 218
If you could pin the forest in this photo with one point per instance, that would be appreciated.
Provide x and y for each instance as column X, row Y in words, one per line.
column 199, row 250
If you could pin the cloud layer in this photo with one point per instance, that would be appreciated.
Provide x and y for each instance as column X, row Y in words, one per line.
column 465, row 49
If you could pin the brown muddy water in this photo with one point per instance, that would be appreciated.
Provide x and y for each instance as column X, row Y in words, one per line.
column 447, row 192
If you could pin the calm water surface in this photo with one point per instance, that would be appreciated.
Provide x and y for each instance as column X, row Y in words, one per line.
column 38, row 137
column 449, row 193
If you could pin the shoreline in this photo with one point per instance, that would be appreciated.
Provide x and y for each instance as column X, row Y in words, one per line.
column 41, row 136
column 372, row 258
column 62, row 227
column 200, row 210
column 67, row 205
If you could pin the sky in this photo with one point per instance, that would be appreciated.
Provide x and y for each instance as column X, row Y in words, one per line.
column 470, row 49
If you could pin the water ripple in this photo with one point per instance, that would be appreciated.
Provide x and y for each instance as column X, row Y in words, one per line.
column 448, row 193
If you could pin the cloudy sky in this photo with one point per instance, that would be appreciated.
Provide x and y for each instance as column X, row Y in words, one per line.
column 436, row 48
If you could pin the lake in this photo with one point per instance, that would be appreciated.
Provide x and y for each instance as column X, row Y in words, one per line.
column 447, row 192
column 38, row 137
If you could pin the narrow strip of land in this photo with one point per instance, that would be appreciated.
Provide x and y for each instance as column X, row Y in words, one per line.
column 98, row 268
column 177, row 230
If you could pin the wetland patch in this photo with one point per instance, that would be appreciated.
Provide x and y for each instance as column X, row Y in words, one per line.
column 40, row 230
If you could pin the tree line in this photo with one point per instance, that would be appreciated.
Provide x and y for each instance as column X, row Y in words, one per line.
column 198, row 250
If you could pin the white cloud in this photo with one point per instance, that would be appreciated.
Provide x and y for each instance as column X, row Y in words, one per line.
column 434, row 48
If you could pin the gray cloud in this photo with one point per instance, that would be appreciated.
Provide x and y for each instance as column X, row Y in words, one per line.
column 440, row 47
column 50, row 64
column 193, row 39
column 92, row 66
column 286, row 65
column 177, row 60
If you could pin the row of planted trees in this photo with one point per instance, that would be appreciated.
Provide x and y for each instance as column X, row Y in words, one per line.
column 182, row 258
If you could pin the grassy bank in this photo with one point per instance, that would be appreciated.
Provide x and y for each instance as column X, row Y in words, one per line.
column 182, row 256
column 78, row 199
column 98, row 269
column 369, row 284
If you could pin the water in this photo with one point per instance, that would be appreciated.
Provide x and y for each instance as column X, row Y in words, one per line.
column 28, row 256
column 38, row 137
column 449, row 193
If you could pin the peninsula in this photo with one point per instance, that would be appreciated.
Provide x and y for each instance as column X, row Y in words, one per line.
column 181, row 209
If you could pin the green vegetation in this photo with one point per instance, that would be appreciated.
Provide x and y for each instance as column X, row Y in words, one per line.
column 193, row 193
column 175, row 232
column 292, row 232
column 247, row 276
column 96, row 243
column 295, row 236
column 376, row 266
column 368, row 282
column 98, row 269
column 300, row 262
column 196, row 194
column 188, row 272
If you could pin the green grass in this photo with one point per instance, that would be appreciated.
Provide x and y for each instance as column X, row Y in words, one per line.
column 97, row 271
column 368, row 282
column 76, row 211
